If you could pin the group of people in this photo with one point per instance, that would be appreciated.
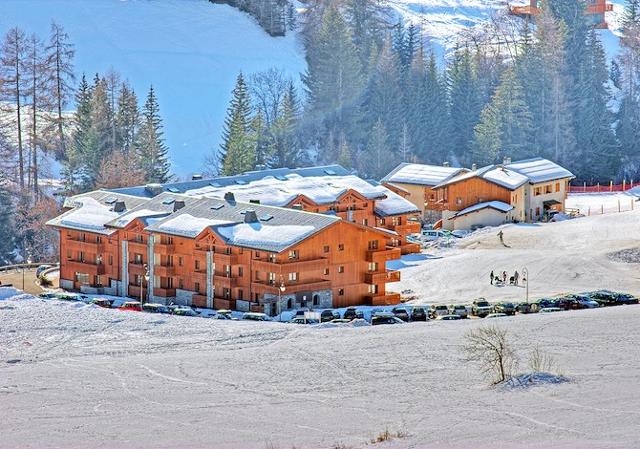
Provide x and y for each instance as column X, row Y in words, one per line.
column 501, row 278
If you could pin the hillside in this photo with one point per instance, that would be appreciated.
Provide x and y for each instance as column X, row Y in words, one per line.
column 190, row 50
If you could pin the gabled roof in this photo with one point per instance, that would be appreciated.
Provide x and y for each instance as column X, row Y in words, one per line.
column 496, row 174
column 227, row 181
column 421, row 174
column 159, row 206
column 393, row 204
column 276, row 229
column 496, row 205
column 540, row 170
column 93, row 210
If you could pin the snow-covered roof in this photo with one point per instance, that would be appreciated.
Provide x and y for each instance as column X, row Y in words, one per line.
column 187, row 225
column 421, row 174
column 393, row 204
column 263, row 236
column 540, row 170
column 497, row 174
column 497, row 205
column 157, row 207
column 283, row 190
column 92, row 211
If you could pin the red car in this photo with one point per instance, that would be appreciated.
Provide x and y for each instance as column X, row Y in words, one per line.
column 130, row 306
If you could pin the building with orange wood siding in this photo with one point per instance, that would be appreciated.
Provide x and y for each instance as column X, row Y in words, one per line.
column 595, row 11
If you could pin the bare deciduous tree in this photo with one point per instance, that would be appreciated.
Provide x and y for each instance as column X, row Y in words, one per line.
column 490, row 347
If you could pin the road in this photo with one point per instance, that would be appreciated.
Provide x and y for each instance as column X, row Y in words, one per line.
column 15, row 277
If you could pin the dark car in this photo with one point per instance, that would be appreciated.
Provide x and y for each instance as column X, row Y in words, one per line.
column 328, row 315
column 402, row 313
column 419, row 314
column 352, row 313
column 543, row 303
column 568, row 303
column 385, row 319
column 626, row 298
column 508, row 308
column 609, row 298
column 523, row 307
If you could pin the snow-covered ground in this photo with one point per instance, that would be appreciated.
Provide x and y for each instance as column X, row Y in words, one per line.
column 598, row 203
column 571, row 256
column 77, row 376
column 190, row 50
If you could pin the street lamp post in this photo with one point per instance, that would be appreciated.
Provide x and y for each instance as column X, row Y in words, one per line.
column 144, row 277
column 281, row 290
column 525, row 275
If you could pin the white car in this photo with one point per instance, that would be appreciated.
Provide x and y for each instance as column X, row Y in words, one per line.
column 437, row 310
column 587, row 303
column 496, row 315
column 253, row 316
column 459, row 309
column 434, row 234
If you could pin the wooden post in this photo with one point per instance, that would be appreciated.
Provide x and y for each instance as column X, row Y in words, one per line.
column 598, row 186
column 624, row 185
column 610, row 186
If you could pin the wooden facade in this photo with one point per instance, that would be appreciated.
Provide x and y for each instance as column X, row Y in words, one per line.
column 595, row 11
column 468, row 192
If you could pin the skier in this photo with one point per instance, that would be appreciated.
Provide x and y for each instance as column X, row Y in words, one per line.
column 491, row 277
column 501, row 236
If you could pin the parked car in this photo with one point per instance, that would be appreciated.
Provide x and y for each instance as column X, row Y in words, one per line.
column 609, row 298
column 481, row 308
column 550, row 309
column 496, row 315
column 437, row 310
column 586, row 302
column 459, row 309
column 401, row 313
column 48, row 295
column 538, row 305
column 130, row 306
column 419, row 314
column 303, row 320
column 328, row 315
column 184, row 311
column 41, row 268
column 523, row 307
column 351, row 313
column 460, row 233
column 66, row 296
column 434, row 234
column 385, row 318
column 448, row 317
column 155, row 308
column 340, row 321
column 508, row 308
column 568, row 303
column 101, row 302
column 253, row 316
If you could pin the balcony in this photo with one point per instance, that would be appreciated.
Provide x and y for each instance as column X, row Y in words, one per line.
column 85, row 267
column 223, row 281
column 88, row 247
column 382, row 255
column 164, row 292
column 199, row 300
column 412, row 227
column 134, row 291
column 297, row 287
column 411, row 248
column 164, row 249
column 164, row 271
column 388, row 299
column 382, row 278
column 290, row 265
column 199, row 275
column 225, row 259
column 137, row 247
column 136, row 268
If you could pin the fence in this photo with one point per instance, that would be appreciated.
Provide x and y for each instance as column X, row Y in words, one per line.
column 603, row 188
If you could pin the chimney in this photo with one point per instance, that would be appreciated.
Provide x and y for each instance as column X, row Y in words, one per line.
column 506, row 161
column 229, row 197
column 153, row 189
column 250, row 216
column 177, row 205
column 260, row 167
column 119, row 206
column 445, row 164
column 196, row 177
column 297, row 206
column 254, row 201
column 474, row 167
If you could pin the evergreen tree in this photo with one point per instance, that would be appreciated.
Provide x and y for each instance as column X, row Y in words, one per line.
column 152, row 152
column 631, row 14
column 7, row 225
column 365, row 18
column 263, row 138
column 73, row 168
column 344, row 153
column 379, row 157
column 127, row 118
column 287, row 145
column 97, row 143
column 238, row 146
column 333, row 80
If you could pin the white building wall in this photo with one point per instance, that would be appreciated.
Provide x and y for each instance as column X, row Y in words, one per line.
column 483, row 217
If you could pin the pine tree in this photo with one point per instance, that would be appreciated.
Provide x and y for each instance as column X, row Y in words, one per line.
column 333, row 80
column 365, row 18
column 344, row 153
column 262, row 136
column 7, row 225
column 73, row 167
column 127, row 118
column 97, row 143
column 152, row 152
column 631, row 14
column 238, row 144
column 287, row 145
column 379, row 157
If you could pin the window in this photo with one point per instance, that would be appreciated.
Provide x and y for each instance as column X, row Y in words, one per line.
column 537, row 191
column 227, row 250
column 180, row 283
column 83, row 237
column 293, row 277
column 537, row 211
column 240, row 272
column 373, row 266
column 365, row 222
column 326, row 272
column 99, row 239
column 169, row 282
column 180, row 261
column 272, row 278
column 293, row 254
column 240, row 294
column 226, row 293
column 547, row 188
column 289, row 304
column 82, row 278
column 227, row 270
column 326, row 248
column 373, row 289
column 373, row 245
column 98, row 281
column 69, row 255
column 341, row 247
column 197, row 264
column 382, row 221
column 341, row 269
column 137, row 279
column 316, row 300
column 459, row 201
column 272, row 257
column 81, row 256
column 257, row 255
column 341, row 292
column 110, row 259
column 196, row 287
column 169, row 261
column 557, row 186
column 138, row 238
column 137, row 259
column 99, row 259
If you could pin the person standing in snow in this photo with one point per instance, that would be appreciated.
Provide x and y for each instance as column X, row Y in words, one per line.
column 501, row 236
column 504, row 277
column 491, row 277
column 516, row 276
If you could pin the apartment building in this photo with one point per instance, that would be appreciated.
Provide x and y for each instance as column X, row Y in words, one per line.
column 221, row 253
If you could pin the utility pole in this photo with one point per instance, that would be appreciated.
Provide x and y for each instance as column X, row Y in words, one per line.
column 525, row 274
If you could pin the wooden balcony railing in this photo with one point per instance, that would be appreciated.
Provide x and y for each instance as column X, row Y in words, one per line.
column 88, row 247
column 303, row 286
column 136, row 268
column 411, row 227
column 164, row 271
column 200, row 275
column 137, row 247
column 85, row 267
column 384, row 277
column 164, row 292
column 387, row 299
column 383, row 255
column 410, row 248
column 223, row 303
column 225, row 259
column 224, row 281
column 290, row 265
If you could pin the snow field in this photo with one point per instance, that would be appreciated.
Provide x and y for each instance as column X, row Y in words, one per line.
column 79, row 375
